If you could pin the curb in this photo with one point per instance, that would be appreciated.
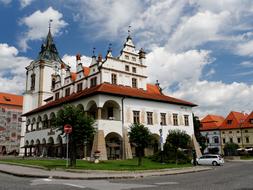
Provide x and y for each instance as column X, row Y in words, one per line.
column 115, row 176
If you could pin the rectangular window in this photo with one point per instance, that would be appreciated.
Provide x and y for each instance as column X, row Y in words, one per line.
column 93, row 82
column 136, row 116
column 216, row 140
column 134, row 59
column 67, row 92
column 126, row 68
column 126, row 57
column 246, row 131
column 175, row 120
column 251, row 121
column 238, row 131
column 207, row 140
column 14, row 116
column 150, row 118
column 79, row 87
column 239, row 140
column 247, row 139
column 57, row 95
column 134, row 69
column 231, row 140
column 230, row 132
column 134, row 82
column 114, row 79
column 163, row 118
column 223, row 132
column 186, row 120
column 224, row 140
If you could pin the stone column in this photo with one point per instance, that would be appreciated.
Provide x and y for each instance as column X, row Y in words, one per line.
column 99, row 113
column 99, row 144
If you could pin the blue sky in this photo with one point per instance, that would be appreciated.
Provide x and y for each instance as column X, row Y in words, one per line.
column 199, row 50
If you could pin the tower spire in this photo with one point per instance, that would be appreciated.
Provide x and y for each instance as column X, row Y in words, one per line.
column 129, row 32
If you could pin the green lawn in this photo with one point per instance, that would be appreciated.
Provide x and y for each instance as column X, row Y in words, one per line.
column 247, row 157
column 103, row 165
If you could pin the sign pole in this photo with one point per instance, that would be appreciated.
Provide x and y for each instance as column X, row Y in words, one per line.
column 67, row 164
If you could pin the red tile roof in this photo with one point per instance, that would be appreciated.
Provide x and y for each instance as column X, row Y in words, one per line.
column 111, row 89
column 237, row 119
column 152, row 88
column 86, row 71
column 211, row 122
column 248, row 122
column 11, row 99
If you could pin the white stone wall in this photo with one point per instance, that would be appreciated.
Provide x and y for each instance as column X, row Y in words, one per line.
column 210, row 135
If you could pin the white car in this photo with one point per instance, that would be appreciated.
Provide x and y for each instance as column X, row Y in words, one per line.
column 210, row 159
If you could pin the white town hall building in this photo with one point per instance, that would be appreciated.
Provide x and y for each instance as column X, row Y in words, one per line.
column 113, row 90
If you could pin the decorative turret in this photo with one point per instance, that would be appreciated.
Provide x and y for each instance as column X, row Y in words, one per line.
column 109, row 51
column 142, row 56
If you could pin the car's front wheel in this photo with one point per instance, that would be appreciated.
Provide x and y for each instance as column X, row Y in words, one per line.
column 214, row 163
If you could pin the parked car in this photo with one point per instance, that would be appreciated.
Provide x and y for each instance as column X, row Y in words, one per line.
column 210, row 159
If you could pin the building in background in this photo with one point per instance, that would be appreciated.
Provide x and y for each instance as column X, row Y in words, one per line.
column 10, row 122
column 210, row 130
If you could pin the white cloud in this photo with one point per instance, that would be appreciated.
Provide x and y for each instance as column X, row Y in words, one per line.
column 37, row 24
column 5, row 2
column 198, row 29
column 25, row 3
column 112, row 16
column 170, row 68
column 12, row 69
column 217, row 97
column 245, row 49
column 247, row 64
column 71, row 61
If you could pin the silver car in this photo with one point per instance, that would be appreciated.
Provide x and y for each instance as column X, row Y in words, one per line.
column 210, row 159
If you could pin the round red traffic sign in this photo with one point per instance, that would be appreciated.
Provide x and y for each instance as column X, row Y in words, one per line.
column 67, row 128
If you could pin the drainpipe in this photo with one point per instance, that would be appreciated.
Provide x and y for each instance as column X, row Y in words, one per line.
column 122, row 123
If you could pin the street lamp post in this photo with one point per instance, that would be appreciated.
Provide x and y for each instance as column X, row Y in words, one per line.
column 161, row 143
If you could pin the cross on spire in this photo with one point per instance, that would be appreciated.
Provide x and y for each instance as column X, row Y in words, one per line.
column 49, row 23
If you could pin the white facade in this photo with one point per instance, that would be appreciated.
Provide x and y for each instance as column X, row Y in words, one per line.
column 113, row 111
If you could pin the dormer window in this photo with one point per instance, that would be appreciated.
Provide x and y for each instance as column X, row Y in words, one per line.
column 251, row 121
column 114, row 79
column 33, row 81
column 134, row 82
column 229, row 122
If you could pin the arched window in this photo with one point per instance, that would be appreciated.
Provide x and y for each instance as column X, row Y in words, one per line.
column 33, row 81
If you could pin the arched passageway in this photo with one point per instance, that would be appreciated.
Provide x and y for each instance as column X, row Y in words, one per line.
column 113, row 146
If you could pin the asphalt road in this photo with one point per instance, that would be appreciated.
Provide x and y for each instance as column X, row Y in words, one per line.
column 231, row 176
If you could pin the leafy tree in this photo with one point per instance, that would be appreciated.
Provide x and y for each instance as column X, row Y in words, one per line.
column 230, row 149
column 200, row 138
column 82, row 129
column 141, row 137
column 178, row 139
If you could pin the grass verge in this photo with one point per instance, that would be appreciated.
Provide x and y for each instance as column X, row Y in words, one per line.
column 118, row 165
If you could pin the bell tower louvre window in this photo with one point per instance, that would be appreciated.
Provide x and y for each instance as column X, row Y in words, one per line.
column 33, row 81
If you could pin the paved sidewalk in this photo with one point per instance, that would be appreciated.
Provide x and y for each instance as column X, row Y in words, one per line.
column 23, row 171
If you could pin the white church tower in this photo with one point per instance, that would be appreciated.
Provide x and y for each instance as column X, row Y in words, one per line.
column 40, row 79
